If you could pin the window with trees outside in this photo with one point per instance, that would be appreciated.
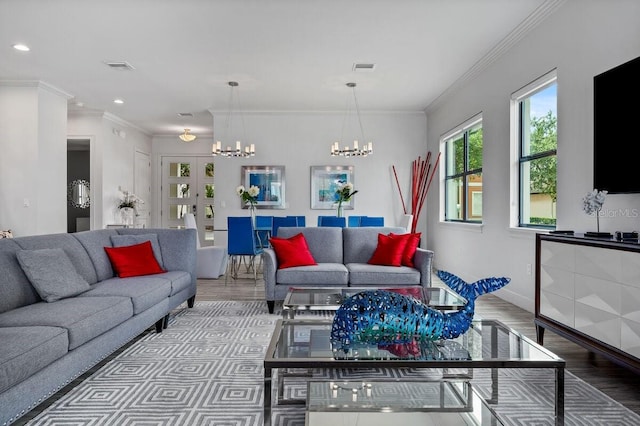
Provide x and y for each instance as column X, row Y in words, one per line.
column 463, row 172
column 535, row 107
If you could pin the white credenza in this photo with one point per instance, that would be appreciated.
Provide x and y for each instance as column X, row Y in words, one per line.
column 588, row 291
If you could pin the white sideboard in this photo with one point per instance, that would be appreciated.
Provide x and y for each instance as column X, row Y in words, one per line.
column 588, row 291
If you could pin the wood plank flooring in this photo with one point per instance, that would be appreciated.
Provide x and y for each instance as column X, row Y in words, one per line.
column 618, row 383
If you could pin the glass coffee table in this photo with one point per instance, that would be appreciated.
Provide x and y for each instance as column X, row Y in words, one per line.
column 387, row 402
column 300, row 299
column 299, row 346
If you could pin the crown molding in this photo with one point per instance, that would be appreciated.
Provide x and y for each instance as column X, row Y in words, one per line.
column 39, row 85
column 117, row 120
column 525, row 27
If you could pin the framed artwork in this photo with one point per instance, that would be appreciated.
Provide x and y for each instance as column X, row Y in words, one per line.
column 325, row 181
column 270, row 180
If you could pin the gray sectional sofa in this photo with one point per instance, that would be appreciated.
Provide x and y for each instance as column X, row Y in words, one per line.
column 45, row 345
column 342, row 255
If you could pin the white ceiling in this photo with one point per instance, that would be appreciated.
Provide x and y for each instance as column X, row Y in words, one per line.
column 287, row 55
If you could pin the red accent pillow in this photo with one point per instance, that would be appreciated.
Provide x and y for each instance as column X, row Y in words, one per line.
column 413, row 241
column 389, row 251
column 133, row 261
column 292, row 251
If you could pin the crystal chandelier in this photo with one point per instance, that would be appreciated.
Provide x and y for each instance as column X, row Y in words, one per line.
column 249, row 150
column 356, row 150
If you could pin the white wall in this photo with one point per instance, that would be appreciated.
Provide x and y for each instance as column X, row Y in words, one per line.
column 581, row 40
column 113, row 146
column 33, row 164
column 301, row 140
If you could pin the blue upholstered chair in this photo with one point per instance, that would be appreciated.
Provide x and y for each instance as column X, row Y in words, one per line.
column 353, row 221
column 336, row 221
column 283, row 221
column 264, row 228
column 242, row 244
column 372, row 221
column 300, row 220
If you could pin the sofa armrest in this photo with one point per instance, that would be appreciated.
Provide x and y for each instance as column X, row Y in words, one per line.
column 269, row 269
column 423, row 260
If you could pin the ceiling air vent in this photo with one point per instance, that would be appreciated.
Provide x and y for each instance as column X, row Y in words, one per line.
column 185, row 114
column 120, row 65
column 364, row 67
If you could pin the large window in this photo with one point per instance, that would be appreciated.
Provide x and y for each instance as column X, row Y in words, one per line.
column 536, row 122
column 463, row 172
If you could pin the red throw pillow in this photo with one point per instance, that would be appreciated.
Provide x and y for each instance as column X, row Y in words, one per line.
column 133, row 261
column 292, row 251
column 389, row 251
column 413, row 241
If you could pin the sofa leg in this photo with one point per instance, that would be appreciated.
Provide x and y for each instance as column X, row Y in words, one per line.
column 159, row 324
column 191, row 301
column 271, row 305
column 165, row 321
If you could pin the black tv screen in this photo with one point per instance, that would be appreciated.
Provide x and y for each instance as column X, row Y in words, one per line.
column 616, row 135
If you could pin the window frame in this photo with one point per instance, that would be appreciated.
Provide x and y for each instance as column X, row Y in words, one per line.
column 463, row 130
column 517, row 147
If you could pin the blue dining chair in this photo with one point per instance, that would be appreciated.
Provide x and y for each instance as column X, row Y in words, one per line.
column 241, row 243
column 372, row 221
column 353, row 221
column 283, row 221
column 300, row 220
column 336, row 221
column 321, row 218
column 264, row 227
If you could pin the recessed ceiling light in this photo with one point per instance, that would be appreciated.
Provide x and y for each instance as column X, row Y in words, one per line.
column 118, row 101
column 21, row 47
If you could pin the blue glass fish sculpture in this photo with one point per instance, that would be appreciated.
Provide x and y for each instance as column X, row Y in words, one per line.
column 389, row 318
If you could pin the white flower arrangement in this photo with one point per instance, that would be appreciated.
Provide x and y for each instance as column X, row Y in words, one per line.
column 129, row 200
column 248, row 195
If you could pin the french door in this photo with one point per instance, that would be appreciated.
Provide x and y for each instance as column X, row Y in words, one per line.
column 187, row 187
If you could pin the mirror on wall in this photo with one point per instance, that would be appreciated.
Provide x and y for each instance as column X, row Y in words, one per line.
column 78, row 194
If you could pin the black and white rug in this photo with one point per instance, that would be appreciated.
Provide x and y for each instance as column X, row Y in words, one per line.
column 206, row 369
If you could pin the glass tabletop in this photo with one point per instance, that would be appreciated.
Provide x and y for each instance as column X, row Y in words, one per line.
column 487, row 343
column 330, row 298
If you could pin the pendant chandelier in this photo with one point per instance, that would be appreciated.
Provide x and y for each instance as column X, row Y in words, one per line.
column 186, row 136
column 249, row 150
column 356, row 150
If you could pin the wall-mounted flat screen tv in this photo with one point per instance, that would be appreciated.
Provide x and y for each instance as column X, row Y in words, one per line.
column 616, row 135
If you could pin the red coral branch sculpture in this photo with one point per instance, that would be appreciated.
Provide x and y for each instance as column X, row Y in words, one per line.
column 422, row 173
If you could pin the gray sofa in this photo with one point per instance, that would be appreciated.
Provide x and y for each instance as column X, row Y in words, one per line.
column 342, row 255
column 45, row 345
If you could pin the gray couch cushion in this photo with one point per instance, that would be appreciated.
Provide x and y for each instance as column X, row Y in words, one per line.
column 365, row 274
column 360, row 243
column 320, row 274
column 144, row 291
column 94, row 243
column 51, row 273
column 76, row 252
column 25, row 350
column 180, row 280
column 325, row 244
column 129, row 240
column 83, row 317
column 15, row 288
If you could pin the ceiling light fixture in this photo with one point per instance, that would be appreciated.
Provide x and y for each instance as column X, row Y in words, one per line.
column 356, row 151
column 21, row 47
column 187, row 137
column 249, row 150
column 118, row 101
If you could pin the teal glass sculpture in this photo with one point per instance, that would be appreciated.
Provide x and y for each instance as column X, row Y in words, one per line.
column 388, row 318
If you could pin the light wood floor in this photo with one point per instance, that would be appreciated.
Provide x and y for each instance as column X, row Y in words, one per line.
column 617, row 382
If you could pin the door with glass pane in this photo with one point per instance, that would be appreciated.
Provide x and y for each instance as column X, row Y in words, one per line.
column 187, row 187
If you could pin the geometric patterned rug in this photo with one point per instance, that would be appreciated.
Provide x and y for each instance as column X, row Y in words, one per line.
column 206, row 369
